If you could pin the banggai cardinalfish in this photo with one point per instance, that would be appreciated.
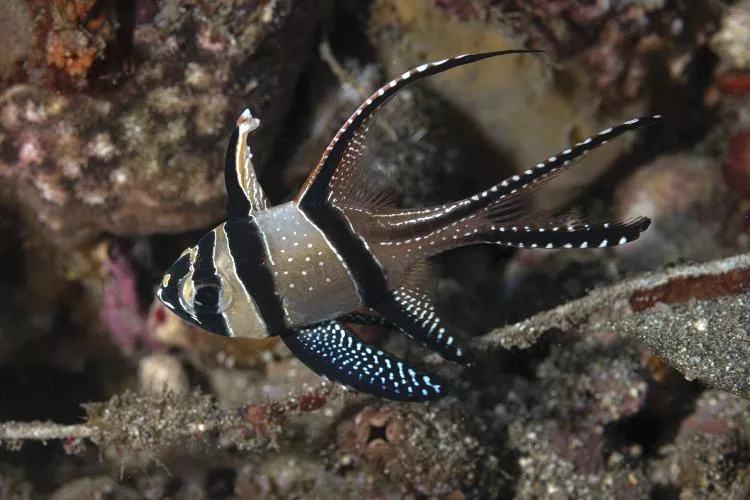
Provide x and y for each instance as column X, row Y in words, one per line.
column 302, row 269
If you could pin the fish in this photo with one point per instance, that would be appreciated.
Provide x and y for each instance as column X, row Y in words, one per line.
column 305, row 270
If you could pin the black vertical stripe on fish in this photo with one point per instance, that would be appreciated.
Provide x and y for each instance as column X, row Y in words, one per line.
column 204, row 278
column 204, row 266
column 248, row 254
column 332, row 350
column 316, row 188
column 367, row 273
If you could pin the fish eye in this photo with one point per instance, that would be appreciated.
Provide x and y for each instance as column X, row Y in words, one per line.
column 205, row 295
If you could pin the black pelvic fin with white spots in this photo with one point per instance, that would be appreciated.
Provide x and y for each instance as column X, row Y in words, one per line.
column 244, row 192
column 333, row 351
column 346, row 142
column 414, row 313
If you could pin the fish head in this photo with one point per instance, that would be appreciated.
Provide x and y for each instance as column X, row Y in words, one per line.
column 200, row 291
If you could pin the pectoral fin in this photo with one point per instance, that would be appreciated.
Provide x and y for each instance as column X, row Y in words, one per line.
column 333, row 351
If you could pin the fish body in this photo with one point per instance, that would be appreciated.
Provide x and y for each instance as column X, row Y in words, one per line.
column 301, row 269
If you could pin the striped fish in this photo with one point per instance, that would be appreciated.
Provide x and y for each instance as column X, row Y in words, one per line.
column 301, row 269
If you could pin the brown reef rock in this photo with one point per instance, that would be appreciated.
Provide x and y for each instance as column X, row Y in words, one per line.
column 144, row 154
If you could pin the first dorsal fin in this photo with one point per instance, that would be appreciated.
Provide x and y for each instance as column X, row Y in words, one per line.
column 244, row 193
column 321, row 181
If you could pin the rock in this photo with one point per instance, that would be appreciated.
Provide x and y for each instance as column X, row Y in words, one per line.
column 435, row 454
column 160, row 372
column 17, row 37
column 93, row 487
column 730, row 41
column 146, row 155
column 737, row 164
column 729, row 44
column 287, row 475
column 705, row 340
column 14, row 485
column 564, row 449
column 687, row 200
column 708, row 458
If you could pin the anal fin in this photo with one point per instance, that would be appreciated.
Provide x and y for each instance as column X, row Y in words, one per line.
column 414, row 313
column 333, row 351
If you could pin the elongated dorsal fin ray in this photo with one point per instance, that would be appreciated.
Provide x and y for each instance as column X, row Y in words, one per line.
column 332, row 350
column 317, row 187
column 244, row 193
